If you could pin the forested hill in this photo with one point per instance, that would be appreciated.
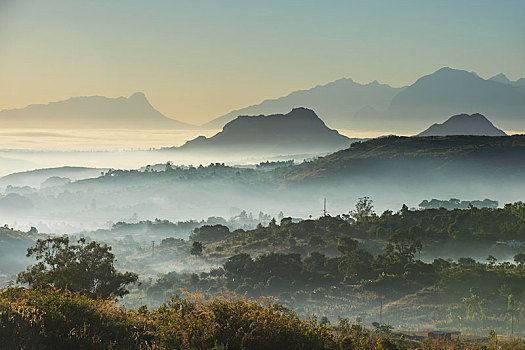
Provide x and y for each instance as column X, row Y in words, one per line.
column 438, row 155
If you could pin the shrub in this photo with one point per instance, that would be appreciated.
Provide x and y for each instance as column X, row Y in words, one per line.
column 47, row 318
column 237, row 323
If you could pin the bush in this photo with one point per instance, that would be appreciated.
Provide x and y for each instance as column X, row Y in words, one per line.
column 47, row 318
column 237, row 323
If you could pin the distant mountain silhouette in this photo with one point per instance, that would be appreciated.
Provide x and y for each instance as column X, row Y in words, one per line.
column 347, row 104
column 92, row 112
column 447, row 92
column 502, row 78
column 464, row 124
column 335, row 102
column 298, row 132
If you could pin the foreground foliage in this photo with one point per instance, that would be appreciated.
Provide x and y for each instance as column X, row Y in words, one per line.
column 52, row 319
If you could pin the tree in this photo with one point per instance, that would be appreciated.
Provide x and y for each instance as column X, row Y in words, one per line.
column 197, row 248
column 315, row 262
column 364, row 208
column 491, row 260
column 210, row 233
column 273, row 226
column 239, row 265
column 356, row 265
column 346, row 245
column 316, row 241
column 475, row 305
column 514, row 308
column 402, row 247
column 87, row 268
column 519, row 259
column 280, row 265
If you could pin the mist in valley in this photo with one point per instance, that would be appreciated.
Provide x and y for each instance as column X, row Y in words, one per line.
column 184, row 219
column 262, row 175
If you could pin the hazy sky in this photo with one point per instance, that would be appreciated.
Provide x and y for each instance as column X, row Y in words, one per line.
column 196, row 60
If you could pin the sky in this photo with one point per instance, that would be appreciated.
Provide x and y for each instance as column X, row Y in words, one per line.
column 196, row 60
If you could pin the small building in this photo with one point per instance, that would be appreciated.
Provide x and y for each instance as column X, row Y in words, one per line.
column 512, row 243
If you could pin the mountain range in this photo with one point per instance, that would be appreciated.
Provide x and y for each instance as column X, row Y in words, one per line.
column 91, row 112
column 302, row 131
column 343, row 103
column 335, row 102
column 448, row 92
column 464, row 124
column 347, row 104
column 298, row 132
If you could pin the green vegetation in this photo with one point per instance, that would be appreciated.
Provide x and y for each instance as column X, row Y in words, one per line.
column 474, row 294
column 417, row 157
column 52, row 319
column 435, row 229
column 350, row 264
column 86, row 268
column 294, row 285
column 191, row 173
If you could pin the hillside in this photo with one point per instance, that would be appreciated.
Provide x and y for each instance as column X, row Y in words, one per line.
column 299, row 131
column 91, row 112
column 35, row 178
column 13, row 246
column 464, row 124
column 443, row 158
column 335, row 102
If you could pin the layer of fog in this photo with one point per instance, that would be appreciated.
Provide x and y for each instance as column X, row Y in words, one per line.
column 92, row 204
column 95, row 139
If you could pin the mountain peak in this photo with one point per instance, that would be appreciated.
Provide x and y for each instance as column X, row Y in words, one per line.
column 500, row 78
column 464, row 124
column 93, row 112
column 138, row 96
column 444, row 69
column 298, row 131
column 302, row 112
column 451, row 72
column 447, row 75
column 298, row 117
